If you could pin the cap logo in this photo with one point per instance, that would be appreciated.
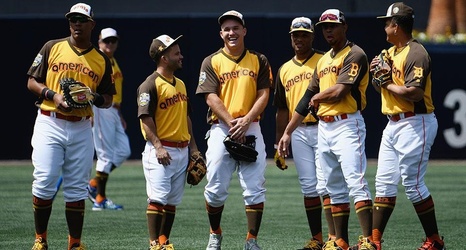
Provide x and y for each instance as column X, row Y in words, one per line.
column 160, row 48
column 396, row 10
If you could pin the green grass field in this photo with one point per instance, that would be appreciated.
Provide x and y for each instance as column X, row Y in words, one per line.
column 284, row 223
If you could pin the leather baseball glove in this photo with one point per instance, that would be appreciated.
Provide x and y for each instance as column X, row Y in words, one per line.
column 279, row 161
column 382, row 74
column 77, row 94
column 196, row 169
column 242, row 151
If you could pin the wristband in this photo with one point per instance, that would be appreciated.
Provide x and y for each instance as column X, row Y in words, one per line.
column 99, row 100
column 47, row 94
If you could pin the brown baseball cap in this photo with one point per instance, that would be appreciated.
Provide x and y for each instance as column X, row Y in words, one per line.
column 332, row 16
column 231, row 14
column 398, row 9
column 160, row 44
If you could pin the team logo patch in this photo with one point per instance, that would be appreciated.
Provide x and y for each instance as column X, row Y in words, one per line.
column 418, row 72
column 144, row 99
column 37, row 60
column 202, row 77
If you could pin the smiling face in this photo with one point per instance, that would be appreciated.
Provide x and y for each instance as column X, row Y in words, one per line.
column 173, row 57
column 232, row 33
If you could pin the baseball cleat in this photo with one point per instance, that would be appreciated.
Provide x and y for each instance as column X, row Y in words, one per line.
column 331, row 245
column 364, row 244
column 215, row 242
column 433, row 245
column 154, row 245
column 40, row 244
column 251, row 244
column 91, row 193
column 313, row 244
column 106, row 204
column 78, row 247
column 167, row 247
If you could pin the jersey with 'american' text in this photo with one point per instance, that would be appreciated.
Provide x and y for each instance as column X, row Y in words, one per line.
column 234, row 80
column 348, row 66
column 411, row 67
column 166, row 101
column 293, row 78
column 59, row 59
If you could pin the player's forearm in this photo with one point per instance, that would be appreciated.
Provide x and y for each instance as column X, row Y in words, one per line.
column 260, row 104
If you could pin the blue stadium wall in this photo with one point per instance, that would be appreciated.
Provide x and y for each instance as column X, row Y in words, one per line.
column 23, row 38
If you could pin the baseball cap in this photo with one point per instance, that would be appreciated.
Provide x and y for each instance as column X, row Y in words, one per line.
column 399, row 9
column 332, row 16
column 231, row 14
column 302, row 24
column 160, row 44
column 108, row 32
column 81, row 9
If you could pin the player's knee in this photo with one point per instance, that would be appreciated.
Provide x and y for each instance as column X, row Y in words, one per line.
column 416, row 193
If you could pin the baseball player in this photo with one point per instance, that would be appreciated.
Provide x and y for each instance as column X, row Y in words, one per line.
column 166, row 127
column 411, row 129
column 291, row 82
column 235, row 83
column 110, row 140
column 62, row 135
column 337, row 92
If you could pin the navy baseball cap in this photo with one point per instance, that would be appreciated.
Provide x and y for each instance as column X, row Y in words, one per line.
column 398, row 9
column 231, row 14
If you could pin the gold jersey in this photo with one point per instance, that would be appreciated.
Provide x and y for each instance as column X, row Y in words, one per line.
column 59, row 59
column 348, row 66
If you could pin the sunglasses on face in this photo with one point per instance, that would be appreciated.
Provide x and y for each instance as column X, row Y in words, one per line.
column 330, row 17
column 81, row 19
column 110, row 40
column 301, row 24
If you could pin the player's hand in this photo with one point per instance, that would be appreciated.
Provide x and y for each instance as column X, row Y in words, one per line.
column 163, row 157
column 373, row 64
column 239, row 128
column 283, row 146
column 60, row 103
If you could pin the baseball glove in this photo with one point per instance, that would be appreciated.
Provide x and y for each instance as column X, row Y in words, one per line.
column 77, row 95
column 382, row 73
column 242, row 151
column 196, row 169
column 279, row 161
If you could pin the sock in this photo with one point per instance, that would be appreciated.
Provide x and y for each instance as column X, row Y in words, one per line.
column 340, row 213
column 154, row 214
column 102, row 179
column 167, row 223
column 74, row 212
column 328, row 216
column 215, row 216
column 364, row 212
column 254, row 217
column 42, row 210
column 381, row 212
column 313, row 207
column 426, row 212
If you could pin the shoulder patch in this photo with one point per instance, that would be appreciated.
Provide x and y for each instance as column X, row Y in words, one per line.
column 202, row 77
column 37, row 60
column 144, row 99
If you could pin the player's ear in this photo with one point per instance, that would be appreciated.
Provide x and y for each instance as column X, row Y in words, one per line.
column 245, row 31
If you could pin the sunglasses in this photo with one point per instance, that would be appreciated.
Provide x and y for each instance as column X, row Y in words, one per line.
column 301, row 24
column 110, row 40
column 330, row 17
column 81, row 19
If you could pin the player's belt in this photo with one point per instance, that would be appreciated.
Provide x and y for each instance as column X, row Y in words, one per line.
column 175, row 144
column 216, row 121
column 70, row 118
column 309, row 123
column 329, row 118
column 400, row 116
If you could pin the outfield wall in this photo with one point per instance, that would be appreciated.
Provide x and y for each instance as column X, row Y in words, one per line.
column 269, row 35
